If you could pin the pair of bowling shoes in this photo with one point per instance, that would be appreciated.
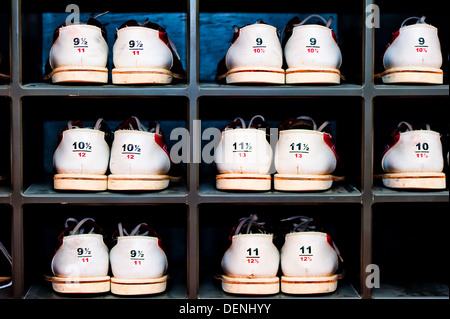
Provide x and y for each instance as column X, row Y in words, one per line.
column 304, row 157
column 307, row 53
column 81, row 263
column 138, row 158
column 308, row 259
column 143, row 53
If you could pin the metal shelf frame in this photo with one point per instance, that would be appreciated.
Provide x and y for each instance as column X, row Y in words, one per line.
column 193, row 194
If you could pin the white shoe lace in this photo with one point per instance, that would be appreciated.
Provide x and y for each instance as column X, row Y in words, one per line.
column 315, row 128
column 251, row 121
column 256, row 116
column 96, row 126
column 410, row 128
column 240, row 120
column 327, row 23
column 77, row 229
column 143, row 128
column 98, row 123
column 100, row 14
column 420, row 20
column 134, row 232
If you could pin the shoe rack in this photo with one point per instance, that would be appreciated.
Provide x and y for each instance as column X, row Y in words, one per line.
column 402, row 232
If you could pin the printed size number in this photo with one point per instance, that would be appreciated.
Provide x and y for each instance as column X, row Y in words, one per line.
column 422, row 47
column 306, row 253
column 130, row 150
column 81, row 148
column 259, row 47
column 137, row 256
column 422, row 150
column 253, row 256
column 312, row 47
column 242, row 148
column 80, row 44
column 298, row 149
column 84, row 254
column 135, row 46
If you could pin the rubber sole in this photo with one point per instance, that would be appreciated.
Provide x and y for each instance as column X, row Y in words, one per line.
column 248, row 182
column 80, row 285
column 138, row 286
column 413, row 76
column 141, row 76
column 80, row 74
column 137, row 182
column 414, row 180
column 318, row 76
column 80, row 182
column 251, row 286
column 297, row 182
column 256, row 75
column 309, row 285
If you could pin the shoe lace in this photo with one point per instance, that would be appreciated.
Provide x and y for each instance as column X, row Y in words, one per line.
column 99, row 15
column 78, row 227
column 255, row 117
column 294, row 122
column 78, row 124
column 315, row 128
column 156, row 128
column 303, row 224
column 135, row 124
column 327, row 23
column 134, row 232
column 246, row 224
column 408, row 126
column 236, row 28
column 420, row 20
column 74, row 227
column 98, row 124
column 74, row 125
column 93, row 21
column 140, row 126
column 405, row 127
column 241, row 122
